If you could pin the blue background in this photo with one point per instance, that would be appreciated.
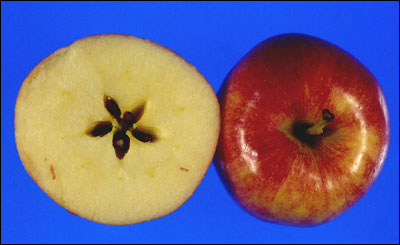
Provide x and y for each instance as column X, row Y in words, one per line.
column 213, row 37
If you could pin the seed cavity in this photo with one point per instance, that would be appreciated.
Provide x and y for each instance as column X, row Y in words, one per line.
column 121, row 140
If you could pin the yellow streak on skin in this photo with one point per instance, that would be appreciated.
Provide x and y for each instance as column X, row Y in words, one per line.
column 288, row 203
column 234, row 98
column 363, row 138
column 302, row 195
column 306, row 90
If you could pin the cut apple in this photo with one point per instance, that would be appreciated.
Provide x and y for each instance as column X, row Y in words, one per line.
column 116, row 129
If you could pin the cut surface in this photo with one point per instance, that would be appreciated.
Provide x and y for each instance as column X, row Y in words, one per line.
column 63, row 98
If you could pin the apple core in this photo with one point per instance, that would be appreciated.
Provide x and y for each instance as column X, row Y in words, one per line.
column 126, row 123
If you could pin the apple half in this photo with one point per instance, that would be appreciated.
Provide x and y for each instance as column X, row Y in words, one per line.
column 116, row 129
column 304, row 130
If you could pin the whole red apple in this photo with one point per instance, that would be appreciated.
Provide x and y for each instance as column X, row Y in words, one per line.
column 304, row 130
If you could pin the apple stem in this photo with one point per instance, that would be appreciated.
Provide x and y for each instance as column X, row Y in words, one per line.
column 318, row 128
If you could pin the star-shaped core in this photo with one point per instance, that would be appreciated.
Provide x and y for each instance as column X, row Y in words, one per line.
column 126, row 123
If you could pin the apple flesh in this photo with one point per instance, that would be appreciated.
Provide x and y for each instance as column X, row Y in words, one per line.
column 279, row 159
column 116, row 129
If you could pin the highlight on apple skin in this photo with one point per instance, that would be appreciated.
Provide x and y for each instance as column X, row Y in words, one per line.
column 116, row 129
column 304, row 130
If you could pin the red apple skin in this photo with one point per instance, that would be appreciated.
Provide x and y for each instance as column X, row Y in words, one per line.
column 282, row 82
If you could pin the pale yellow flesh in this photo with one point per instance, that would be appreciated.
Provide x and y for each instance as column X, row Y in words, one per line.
column 63, row 97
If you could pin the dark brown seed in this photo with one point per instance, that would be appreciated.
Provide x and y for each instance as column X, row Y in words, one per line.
column 112, row 107
column 128, row 119
column 142, row 136
column 121, row 143
column 101, row 129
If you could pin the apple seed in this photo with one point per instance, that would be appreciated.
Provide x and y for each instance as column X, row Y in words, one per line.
column 121, row 143
column 112, row 107
column 128, row 119
column 101, row 129
column 142, row 136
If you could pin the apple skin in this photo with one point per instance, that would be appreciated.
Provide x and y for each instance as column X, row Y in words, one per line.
column 283, row 82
